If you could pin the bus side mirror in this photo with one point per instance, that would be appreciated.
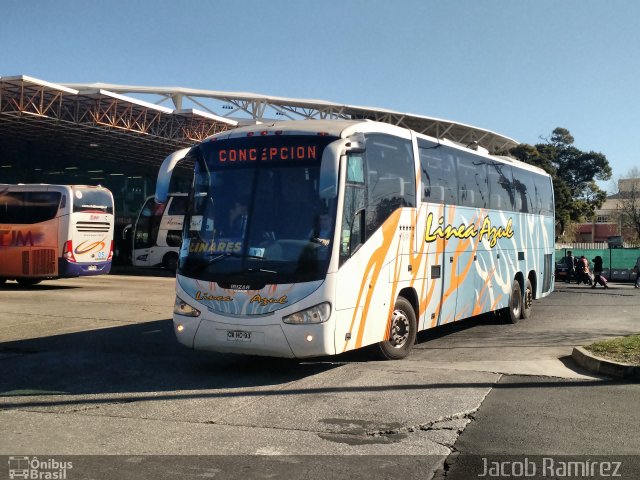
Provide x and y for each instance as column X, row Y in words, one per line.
column 329, row 168
column 330, row 165
column 164, row 175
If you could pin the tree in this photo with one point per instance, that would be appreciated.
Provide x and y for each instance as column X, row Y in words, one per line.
column 629, row 202
column 574, row 172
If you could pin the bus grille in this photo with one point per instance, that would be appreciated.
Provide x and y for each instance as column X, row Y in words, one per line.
column 39, row 262
column 92, row 226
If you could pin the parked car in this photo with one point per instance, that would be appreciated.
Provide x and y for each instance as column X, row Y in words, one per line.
column 562, row 271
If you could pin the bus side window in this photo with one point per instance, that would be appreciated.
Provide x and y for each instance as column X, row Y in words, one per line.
column 391, row 178
column 472, row 181
column 544, row 191
column 353, row 206
column 438, row 166
column 174, row 238
column 524, row 191
column 143, row 233
column 500, row 187
column 178, row 206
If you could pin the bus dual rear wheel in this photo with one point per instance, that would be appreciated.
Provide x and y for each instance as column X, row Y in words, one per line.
column 515, row 303
column 402, row 331
column 527, row 301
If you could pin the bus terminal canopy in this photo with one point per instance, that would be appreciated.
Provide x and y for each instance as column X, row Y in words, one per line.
column 106, row 122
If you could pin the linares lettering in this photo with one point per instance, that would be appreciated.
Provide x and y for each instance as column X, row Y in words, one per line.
column 266, row 301
column 215, row 247
column 487, row 231
column 292, row 152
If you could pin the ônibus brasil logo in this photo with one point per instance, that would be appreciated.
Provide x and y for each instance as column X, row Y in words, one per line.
column 36, row 469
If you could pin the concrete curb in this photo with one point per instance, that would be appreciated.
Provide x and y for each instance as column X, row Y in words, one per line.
column 587, row 360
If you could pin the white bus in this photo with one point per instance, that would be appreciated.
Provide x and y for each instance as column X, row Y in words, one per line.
column 157, row 233
column 422, row 232
column 53, row 231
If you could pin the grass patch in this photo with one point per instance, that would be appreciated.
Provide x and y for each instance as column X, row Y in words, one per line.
column 624, row 349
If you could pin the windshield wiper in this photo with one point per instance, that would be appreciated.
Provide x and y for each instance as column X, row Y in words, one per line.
column 261, row 270
column 211, row 260
column 224, row 256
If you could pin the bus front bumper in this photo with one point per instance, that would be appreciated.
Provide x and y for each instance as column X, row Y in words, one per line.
column 71, row 269
column 288, row 341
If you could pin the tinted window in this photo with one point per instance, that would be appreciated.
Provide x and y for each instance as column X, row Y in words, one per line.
column 28, row 207
column 146, row 226
column 438, row 171
column 256, row 211
column 391, row 178
column 354, row 202
column 174, row 238
column 472, row 181
column 178, row 206
column 525, row 191
column 500, row 186
column 544, row 192
column 90, row 199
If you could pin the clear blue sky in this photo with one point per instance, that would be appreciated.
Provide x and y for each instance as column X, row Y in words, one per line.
column 520, row 68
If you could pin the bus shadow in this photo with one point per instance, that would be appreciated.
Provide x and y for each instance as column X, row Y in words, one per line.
column 449, row 328
column 15, row 287
column 128, row 270
column 143, row 357
column 144, row 363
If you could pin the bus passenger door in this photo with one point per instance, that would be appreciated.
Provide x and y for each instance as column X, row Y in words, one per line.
column 145, row 234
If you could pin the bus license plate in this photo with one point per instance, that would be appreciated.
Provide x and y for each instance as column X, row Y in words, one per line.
column 238, row 336
column 92, row 268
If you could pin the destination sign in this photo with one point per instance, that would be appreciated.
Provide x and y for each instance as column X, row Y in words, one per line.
column 267, row 149
column 292, row 152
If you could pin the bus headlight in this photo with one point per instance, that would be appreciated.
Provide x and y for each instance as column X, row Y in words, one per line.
column 183, row 308
column 318, row 314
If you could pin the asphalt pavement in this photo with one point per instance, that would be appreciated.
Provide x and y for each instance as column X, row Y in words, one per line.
column 90, row 371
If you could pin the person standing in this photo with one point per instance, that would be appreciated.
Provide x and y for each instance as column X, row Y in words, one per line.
column 637, row 267
column 570, row 262
column 582, row 271
column 597, row 271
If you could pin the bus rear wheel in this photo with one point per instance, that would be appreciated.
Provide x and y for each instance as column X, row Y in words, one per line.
column 515, row 303
column 527, row 301
column 402, row 331
column 2, row 281
column 170, row 262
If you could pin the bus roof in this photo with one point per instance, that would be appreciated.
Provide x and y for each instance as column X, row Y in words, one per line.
column 342, row 128
column 44, row 186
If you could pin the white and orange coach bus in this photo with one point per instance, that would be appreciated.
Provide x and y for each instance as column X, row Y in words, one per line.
column 54, row 231
column 418, row 232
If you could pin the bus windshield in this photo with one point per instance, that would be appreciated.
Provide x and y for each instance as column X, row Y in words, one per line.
column 255, row 215
column 92, row 200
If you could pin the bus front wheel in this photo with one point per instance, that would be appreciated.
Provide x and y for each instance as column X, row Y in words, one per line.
column 402, row 331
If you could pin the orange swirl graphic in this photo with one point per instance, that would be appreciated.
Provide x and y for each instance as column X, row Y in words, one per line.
column 99, row 245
